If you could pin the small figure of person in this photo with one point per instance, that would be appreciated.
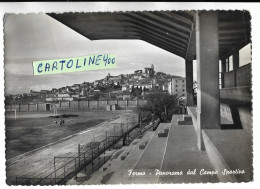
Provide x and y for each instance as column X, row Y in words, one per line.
column 60, row 122
column 179, row 110
column 63, row 122
column 55, row 123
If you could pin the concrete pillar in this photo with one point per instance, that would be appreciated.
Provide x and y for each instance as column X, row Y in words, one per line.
column 207, row 53
column 223, row 70
column 236, row 60
column 37, row 107
column 223, row 65
column 189, row 82
column 235, row 66
column 227, row 65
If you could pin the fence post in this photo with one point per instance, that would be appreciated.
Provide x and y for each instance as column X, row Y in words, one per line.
column 54, row 170
column 165, row 112
column 140, row 123
column 115, row 130
column 85, row 168
column 92, row 163
column 107, row 142
column 75, row 168
column 79, row 153
column 122, row 130
column 127, row 131
column 104, row 146
column 153, row 120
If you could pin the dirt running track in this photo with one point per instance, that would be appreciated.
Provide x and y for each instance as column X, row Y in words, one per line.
column 39, row 162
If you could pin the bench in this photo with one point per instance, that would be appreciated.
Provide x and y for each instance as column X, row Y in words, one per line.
column 164, row 132
column 125, row 154
column 143, row 144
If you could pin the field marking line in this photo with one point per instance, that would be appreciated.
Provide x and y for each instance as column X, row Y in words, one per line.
column 40, row 127
column 19, row 157
column 24, row 155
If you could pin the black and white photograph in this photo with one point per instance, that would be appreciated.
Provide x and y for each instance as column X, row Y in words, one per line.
column 128, row 97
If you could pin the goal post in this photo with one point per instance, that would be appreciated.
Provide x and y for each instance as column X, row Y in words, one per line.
column 55, row 111
column 13, row 110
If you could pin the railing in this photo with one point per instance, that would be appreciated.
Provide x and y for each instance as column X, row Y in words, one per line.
column 238, row 77
column 68, row 170
column 89, row 156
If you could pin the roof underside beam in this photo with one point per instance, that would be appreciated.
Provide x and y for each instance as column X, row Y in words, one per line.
column 172, row 31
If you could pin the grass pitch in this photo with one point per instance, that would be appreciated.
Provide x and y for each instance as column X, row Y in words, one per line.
column 26, row 134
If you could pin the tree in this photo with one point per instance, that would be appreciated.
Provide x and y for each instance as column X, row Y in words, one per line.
column 96, row 96
column 156, row 102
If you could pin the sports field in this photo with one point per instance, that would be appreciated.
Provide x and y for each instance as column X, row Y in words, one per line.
column 33, row 130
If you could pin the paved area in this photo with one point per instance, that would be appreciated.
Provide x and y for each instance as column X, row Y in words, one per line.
column 182, row 155
column 164, row 160
column 235, row 147
column 118, row 169
column 152, row 158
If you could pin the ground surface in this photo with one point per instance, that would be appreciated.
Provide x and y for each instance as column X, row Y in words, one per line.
column 39, row 162
column 34, row 130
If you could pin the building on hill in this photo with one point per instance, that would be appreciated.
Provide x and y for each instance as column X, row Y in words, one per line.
column 138, row 71
column 125, row 88
column 177, row 86
column 54, row 90
column 149, row 72
column 45, row 92
column 34, row 93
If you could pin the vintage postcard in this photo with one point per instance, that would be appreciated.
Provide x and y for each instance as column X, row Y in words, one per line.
column 128, row 97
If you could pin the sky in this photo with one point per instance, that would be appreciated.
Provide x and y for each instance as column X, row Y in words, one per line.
column 31, row 37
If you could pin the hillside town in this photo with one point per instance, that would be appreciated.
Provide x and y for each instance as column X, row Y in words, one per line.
column 121, row 87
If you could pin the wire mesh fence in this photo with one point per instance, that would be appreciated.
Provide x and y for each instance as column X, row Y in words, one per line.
column 88, row 155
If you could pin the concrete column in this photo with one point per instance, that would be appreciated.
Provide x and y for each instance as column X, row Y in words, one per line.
column 223, row 70
column 207, row 53
column 227, row 65
column 236, row 60
column 223, row 65
column 37, row 107
column 189, row 82
column 235, row 66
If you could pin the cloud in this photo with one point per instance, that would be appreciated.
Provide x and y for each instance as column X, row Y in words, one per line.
column 30, row 37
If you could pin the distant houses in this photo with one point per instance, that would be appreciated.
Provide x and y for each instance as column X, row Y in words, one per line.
column 123, row 86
